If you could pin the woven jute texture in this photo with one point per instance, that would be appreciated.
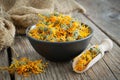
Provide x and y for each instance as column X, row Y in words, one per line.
column 17, row 15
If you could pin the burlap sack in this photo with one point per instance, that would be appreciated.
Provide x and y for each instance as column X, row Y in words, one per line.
column 23, row 13
column 7, row 33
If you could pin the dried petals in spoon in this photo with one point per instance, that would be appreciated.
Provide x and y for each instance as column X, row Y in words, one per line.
column 90, row 56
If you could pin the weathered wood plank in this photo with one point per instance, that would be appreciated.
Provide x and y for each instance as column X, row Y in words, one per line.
column 55, row 71
column 111, row 60
column 104, row 69
column 106, row 15
column 4, row 75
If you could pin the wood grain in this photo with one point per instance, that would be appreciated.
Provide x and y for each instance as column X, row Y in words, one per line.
column 112, row 58
column 106, row 69
column 104, row 18
column 105, row 14
column 4, row 75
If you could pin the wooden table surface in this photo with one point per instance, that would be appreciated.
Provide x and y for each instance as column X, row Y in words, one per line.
column 104, row 17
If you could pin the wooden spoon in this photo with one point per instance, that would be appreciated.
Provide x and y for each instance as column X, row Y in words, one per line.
column 104, row 46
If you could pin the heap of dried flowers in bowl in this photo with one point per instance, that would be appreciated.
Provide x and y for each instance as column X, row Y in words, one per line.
column 59, row 37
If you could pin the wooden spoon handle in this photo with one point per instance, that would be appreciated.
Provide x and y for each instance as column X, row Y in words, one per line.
column 106, row 45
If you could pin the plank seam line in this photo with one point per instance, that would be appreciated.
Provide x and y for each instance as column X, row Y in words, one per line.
column 105, row 34
column 12, row 76
column 110, row 70
column 102, row 30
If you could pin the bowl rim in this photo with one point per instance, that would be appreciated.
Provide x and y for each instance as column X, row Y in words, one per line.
column 66, row 42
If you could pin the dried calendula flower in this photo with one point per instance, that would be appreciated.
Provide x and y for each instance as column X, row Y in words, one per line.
column 24, row 66
column 86, row 57
column 59, row 28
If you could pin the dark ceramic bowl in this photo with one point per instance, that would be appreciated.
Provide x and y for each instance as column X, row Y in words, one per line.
column 59, row 51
